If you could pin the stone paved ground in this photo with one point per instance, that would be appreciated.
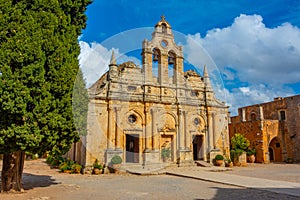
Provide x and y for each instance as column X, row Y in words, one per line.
column 43, row 183
column 273, row 171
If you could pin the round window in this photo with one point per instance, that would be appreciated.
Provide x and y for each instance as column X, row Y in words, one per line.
column 132, row 118
column 164, row 43
column 196, row 121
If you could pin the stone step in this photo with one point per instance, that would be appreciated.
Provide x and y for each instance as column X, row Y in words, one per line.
column 203, row 163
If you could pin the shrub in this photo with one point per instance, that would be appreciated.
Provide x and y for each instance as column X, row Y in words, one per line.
column 219, row 157
column 96, row 165
column 76, row 168
column 66, row 165
column 116, row 159
column 251, row 152
column 238, row 141
column 166, row 152
column 55, row 161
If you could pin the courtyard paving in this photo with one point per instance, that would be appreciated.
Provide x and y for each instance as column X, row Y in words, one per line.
column 258, row 181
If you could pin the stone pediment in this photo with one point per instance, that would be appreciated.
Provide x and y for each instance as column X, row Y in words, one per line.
column 191, row 73
column 128, row 64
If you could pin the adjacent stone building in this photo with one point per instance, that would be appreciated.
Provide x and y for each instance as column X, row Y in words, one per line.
column 273, row 129
column 143, row 117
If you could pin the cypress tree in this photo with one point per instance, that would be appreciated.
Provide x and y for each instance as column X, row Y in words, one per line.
column 38, row 67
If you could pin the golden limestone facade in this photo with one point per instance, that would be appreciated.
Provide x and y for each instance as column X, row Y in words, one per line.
column 147, row 118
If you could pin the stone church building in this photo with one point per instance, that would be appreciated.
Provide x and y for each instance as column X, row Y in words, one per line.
column 147, row 117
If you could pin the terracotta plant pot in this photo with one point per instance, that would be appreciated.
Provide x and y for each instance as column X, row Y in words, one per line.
column 251, row 159
column 97, row 171
column 116, row 168
column 219, row 162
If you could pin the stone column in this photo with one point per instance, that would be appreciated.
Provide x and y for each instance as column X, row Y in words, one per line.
column 147, row 131
column 180, row 132
column 117, row 129
column 204, row 147
column 210, row 132
column 186, row 133
column 110, row 128
column 214, row 121
column 154, row 131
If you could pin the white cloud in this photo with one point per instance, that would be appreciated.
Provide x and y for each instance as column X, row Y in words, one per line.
column 258, row 54
column 254, row 94
column 94, row 60
column 264, row 59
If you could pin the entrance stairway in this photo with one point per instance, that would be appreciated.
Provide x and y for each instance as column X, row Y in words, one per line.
column 159, row 168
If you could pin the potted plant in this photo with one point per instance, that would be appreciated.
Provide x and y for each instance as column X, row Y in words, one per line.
column 76, row 168
column 219, row 159
column 239, row 146
column 165, row 153
column 228, row 162
column 251, row 155
column 116, row 163
column 97, row 168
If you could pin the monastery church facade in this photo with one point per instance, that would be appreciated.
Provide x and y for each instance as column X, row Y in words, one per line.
column 147, row 118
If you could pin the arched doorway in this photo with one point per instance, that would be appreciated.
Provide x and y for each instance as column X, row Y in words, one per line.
column 275, row 150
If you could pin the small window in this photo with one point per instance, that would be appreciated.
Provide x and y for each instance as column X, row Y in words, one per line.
column 163, row 28
column 194, row 93
column 282, row 115
column 196, row 121
column 132, row 118
column 131, row 88
column 253, row 117
column 277, row 145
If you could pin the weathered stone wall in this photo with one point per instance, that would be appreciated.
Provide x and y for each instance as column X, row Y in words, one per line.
column 281, row 135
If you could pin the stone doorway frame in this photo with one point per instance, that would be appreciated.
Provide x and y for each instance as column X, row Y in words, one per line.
column 201, row 149
column 136, row 152
column 171, row 135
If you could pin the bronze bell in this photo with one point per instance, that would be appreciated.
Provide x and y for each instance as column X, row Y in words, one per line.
column 171, row 60
column 155, row 56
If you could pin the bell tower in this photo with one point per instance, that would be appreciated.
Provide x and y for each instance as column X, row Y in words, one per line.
column 163, row 50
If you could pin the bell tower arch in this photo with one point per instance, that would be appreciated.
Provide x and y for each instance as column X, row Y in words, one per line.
column 163, row 49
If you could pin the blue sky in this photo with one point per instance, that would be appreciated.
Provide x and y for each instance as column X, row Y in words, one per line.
column 254, row 44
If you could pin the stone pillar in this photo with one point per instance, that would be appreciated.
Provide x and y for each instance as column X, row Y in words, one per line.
column 110, row 128
column 186, row 134
column 204, row 148
column 180, row 132
column 147, row 131
column 210, row 132
column 178, row 72
column 214, row 121
column 117, row 129
column 163, row 69
column 154, row 131
column 261, row 113
column 243, row 115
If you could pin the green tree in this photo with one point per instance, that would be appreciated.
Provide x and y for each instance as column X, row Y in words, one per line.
column 38, row 66
column 239, row 142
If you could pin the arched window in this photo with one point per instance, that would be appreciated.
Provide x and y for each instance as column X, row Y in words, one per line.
column 171, row 62
column 164, row 28
column 253, row 117
column 155, row 61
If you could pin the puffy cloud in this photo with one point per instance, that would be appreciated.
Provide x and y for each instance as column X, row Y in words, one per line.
column 256, row 62
column 94, row 60
column 258, row 54
column 254, row 94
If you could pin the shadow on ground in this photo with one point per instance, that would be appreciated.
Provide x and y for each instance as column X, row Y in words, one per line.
column 246, row 193
column 31, row 181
